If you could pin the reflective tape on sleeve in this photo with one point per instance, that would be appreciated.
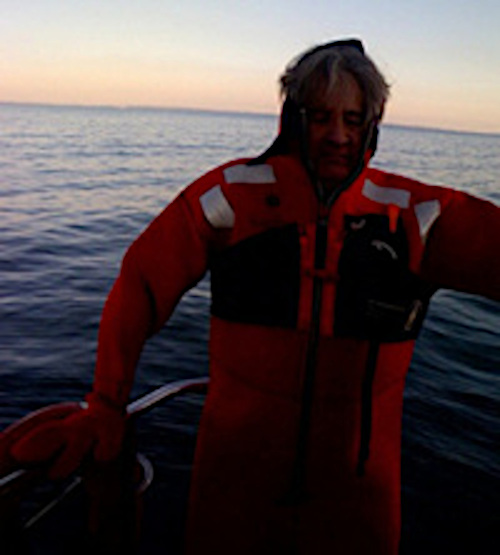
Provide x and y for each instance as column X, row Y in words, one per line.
column 386, row 195
column 427, row 213
column 242, row 173
column 216, row 208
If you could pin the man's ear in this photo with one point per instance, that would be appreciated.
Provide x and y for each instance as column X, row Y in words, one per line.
column 290, row 126
column 372, row 147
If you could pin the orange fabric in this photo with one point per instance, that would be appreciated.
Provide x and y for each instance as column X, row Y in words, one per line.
column 12, row 435
column 463, row 249
column 248, row 431
column 307, row 239
column 155, row 274
column 329, row 286
column 393, row 212
column 63, row 441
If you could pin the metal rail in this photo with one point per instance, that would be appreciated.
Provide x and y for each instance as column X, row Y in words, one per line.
column 168, row 391
column 136, row 408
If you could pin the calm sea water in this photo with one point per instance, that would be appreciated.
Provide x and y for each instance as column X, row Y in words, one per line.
column 78, row 184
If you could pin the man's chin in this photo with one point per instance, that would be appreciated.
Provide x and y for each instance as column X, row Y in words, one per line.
column 334, row 176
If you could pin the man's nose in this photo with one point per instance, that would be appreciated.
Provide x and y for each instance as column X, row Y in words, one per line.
column 337, row 131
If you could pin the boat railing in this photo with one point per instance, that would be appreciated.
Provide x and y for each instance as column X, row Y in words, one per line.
column 18, row 482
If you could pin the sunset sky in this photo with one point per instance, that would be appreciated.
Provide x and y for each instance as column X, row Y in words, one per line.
column 442, row 57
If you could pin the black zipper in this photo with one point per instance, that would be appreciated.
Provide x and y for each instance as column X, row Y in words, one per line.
column 297, row 494
column 326, row 200
column 366, row 407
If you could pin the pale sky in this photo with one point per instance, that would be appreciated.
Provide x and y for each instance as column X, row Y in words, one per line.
column 442, row 57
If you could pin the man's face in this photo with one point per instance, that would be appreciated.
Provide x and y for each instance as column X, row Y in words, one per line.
column 336, row 132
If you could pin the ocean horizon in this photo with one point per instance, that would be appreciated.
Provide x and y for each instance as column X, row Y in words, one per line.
column 236, row 113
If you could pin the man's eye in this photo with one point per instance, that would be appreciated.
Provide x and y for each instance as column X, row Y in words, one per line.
column 318, row 116
column 354, row 120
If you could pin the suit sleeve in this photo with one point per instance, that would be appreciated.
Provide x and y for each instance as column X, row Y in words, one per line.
column 463, row 247
column 166, row 260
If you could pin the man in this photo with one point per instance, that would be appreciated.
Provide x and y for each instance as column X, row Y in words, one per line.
column 321, row 271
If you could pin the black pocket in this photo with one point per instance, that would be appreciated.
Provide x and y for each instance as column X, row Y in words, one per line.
column 257, row 280
column 378, row 297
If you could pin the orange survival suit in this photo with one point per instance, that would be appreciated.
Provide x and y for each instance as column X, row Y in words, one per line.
column 315, row 310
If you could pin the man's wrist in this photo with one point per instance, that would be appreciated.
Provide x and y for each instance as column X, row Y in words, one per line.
column 99, row 401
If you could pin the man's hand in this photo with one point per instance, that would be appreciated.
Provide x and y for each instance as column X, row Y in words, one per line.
column 97, row 428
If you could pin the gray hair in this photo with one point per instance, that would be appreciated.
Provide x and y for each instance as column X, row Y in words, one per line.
column 316, row 73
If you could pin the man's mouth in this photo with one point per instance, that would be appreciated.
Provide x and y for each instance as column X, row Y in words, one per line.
column 336, row 157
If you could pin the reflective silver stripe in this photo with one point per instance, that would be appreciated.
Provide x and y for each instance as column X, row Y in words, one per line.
column 242, row 173
column 216, row 208
column 386, row 195
column 427, row 213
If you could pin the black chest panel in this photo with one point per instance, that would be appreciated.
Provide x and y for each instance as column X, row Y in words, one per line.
column 378, row 297
column 257, row 280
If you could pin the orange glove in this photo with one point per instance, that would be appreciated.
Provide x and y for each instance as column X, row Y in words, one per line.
column 98, row 428
column 20, row 429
